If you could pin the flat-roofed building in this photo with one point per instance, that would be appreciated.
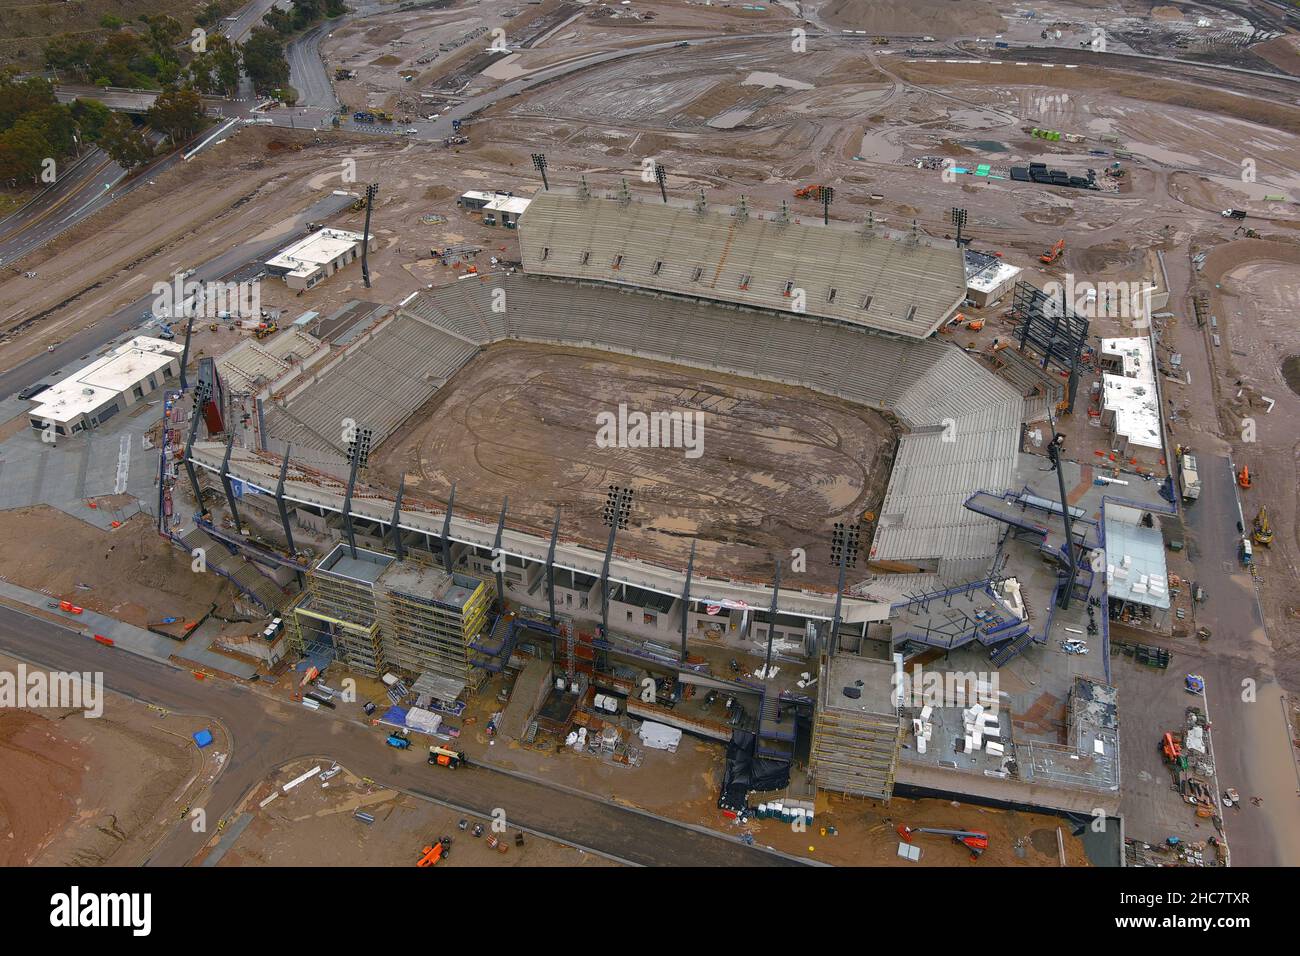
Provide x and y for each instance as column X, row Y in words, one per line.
column 317, row 257
column 110, row 384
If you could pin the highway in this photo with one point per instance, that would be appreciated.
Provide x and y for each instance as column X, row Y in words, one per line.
column 266, row 733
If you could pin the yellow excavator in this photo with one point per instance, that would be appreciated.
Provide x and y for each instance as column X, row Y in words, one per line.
column 1263, row 529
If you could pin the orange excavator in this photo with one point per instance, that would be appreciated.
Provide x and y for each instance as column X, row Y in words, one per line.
column 1054, row 253
column 808, row 192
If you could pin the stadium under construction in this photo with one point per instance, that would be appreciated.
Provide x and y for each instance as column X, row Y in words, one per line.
column 969, row 561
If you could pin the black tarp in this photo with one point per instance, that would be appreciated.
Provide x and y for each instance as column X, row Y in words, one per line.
column 746, row 773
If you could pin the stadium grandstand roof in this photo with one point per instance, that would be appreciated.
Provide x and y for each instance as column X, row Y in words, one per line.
column 884, row 281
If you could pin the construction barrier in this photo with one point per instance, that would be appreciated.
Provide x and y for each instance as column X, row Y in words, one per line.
column 199, row 675
column 108, row 641
column 69, row 607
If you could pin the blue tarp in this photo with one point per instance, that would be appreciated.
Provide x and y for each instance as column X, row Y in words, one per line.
column 203, row 738
column 394, row 715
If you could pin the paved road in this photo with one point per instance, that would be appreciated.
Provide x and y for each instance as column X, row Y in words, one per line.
column 71, row 350
column 266, row 733
column 307, row 71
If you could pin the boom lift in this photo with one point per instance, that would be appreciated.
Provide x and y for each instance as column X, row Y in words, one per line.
column 974, row 840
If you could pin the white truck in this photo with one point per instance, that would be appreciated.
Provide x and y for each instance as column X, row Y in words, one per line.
column 1189, row 478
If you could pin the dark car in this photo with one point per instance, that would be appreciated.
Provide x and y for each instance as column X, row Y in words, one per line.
column 31, row 391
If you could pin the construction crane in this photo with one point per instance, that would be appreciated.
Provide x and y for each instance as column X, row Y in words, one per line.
column 1054, row 253
column 1263, row 529
column 974, row 840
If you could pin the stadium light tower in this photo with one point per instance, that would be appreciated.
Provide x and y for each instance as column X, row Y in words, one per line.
column 539, row 164
column 959, row 220
column 371, row 191
column 661, row 177
column 826, row 194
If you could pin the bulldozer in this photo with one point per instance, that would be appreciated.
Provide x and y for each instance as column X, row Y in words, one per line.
column 1054, row 253
column 1263, row 528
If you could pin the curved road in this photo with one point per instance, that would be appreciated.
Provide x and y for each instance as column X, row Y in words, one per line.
column 265, row 733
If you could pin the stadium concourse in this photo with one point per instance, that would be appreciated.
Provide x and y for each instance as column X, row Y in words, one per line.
column 843, row 310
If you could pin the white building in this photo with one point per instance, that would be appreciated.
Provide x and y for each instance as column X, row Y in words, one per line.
column 1130, row 405
column 93, row 395
column 317, row 257
column 988, row 278
column 505, row 210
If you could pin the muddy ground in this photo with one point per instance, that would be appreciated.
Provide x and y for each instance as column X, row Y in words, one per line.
column 79, row 791
column 521, row 420
column 314, row 825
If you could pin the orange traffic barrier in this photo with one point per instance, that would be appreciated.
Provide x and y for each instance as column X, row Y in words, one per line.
column 115, row 524
column 104, row 640
column 92, row 504
column 69, row 607
column 199, row 675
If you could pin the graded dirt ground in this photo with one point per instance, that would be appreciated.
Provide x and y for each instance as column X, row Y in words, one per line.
column 314, row 825
column 130, row 573
column 776, row 466
column 79, row 791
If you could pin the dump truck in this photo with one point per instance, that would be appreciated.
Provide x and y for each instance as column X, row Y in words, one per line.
column 1188, row 477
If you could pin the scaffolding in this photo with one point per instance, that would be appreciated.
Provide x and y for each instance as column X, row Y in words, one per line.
column 428, row 619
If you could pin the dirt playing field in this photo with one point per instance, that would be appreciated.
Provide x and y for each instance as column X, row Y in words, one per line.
column 769, row 468
column 313, row 825
column 79, row 791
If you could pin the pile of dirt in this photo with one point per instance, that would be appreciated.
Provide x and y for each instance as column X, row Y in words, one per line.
column 940, row 18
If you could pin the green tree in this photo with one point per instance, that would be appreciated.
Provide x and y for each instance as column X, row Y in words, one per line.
column 227, row 63
column 23, row 151
column 264, row 60
column 124, row 143
column 91, row 117
column 178, row 113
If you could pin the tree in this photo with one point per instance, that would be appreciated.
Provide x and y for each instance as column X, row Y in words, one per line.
column 178, row 113
column 124, row 143
column 91, row 117
column 226, row 61
column 264, row 60
column 23, row 151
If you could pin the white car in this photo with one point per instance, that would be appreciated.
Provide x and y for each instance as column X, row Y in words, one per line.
column 412, row 131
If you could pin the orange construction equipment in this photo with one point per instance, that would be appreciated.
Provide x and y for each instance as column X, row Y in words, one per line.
column 808, row 192
column 974, row 840
column 432, row 854
column 1243, row 477
column 1170, row 748
column 975, row 325
column 1054, row 253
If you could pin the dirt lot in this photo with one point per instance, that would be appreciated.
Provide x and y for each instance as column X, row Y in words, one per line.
column 313, row 825
column 76, row 791
column 521, row 420
column 129, row 573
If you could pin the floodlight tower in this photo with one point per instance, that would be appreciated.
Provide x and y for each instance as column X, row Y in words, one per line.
column 371, row 191
column 959, row 220
column 826, row 194
column 539, row 164
column 661, row 177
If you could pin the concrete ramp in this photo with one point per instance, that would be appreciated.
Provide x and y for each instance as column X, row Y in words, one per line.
column 531, row 687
